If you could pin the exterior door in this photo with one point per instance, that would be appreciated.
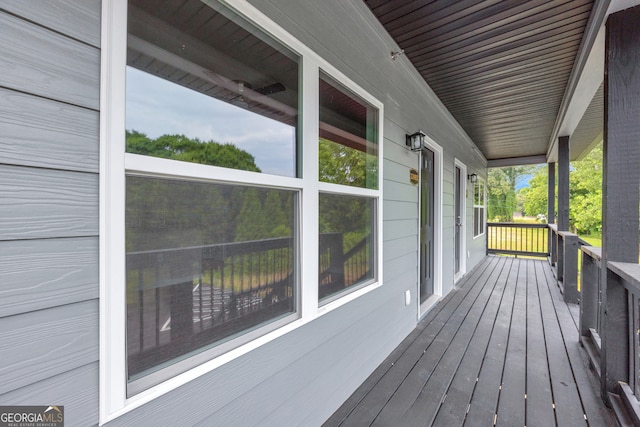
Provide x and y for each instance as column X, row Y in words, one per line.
column 426, row 224
column 458, row 219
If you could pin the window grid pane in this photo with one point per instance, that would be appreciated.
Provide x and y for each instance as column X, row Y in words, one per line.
column 348, row 145
column 205, row 262
column 346, row 243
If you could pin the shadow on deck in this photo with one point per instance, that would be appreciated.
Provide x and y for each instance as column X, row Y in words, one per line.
column 502, row 349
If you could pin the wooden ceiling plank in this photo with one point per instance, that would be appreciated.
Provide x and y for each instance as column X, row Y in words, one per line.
column 463, row 36
column 506, row 107
column 497, row 80
column 393, row 11
column 480, row 73
column 486, row 19
column 498, row 57
column 483, row 96
column 497, row 46
column 514, row 94
column 433, row 16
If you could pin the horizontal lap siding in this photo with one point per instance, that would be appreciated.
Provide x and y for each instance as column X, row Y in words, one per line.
column 37, row 274
column 40, row 132
column 76, row 390
column 46, row 203
column 49, row 145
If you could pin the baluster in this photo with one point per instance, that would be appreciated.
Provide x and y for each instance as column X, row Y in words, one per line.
column 200, row 285
column 211, row 298
column 141, row 307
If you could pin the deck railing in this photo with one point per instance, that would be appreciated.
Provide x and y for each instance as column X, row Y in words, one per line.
column 510, row 238
column 621, row 331
column 181, row 299
column 339, row 270
column 542, row 240
column 564, row 259
column 591, row 303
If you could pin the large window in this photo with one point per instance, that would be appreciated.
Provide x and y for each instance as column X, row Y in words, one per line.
column 240, row 196
column 207, row 260
column 479, row 207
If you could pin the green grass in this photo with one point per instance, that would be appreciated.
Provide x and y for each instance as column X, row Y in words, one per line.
column 526, row 220
column 593, row 239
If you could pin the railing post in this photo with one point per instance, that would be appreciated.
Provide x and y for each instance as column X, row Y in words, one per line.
column 551, row 207
column 616, row 336
column 181, row 296
column 570, row 250
column 589, row 291
column 336, row 261
column 559, row 256
column 563, row 183
column 553, row 243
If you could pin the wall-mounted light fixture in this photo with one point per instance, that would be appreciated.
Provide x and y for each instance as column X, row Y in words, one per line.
column 473, row 177
column 415, row 141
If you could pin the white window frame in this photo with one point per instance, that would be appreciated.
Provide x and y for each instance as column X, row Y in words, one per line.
column 483, row 206
column 338, row 299
column 114, row 162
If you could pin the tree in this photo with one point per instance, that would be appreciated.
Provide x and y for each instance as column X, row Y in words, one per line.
column 179, row 147
column 585, row 193
column 501, row 191
column 340, row 164
column 535, row 196
column 170, row 213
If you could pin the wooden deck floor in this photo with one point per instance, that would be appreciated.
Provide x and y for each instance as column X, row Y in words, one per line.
column 502, row 349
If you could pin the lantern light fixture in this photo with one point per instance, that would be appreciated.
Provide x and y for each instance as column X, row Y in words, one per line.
column 415, row 141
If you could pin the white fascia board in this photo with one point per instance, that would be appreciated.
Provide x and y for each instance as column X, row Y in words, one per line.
column 587, row 86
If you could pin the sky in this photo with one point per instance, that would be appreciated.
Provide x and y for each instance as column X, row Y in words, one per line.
column 158, row 107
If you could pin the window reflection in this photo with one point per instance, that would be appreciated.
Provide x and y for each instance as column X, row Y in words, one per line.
column 205, row 262
column 209, row 265
column 203, row 89
column 348, row 148
column 346, row 243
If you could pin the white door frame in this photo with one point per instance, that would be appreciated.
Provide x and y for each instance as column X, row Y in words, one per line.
column 462, row 250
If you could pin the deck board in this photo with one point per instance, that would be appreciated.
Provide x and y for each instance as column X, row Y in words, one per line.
column 466, row 377
column 452, row 335
column 484, row 400
column 511, row 405
column 439, row 383
column 501, row 349
column 539, row 402
column 378, row 396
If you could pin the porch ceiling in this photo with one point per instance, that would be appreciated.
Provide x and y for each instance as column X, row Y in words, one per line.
column 502, row 68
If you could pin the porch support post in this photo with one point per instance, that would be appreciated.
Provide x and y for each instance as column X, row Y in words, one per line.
column 563, row 204
column 551, row 209
column 621, row 184
column 563, row 183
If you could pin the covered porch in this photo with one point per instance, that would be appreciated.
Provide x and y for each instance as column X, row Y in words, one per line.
column 521, row 341
column 502, row 349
